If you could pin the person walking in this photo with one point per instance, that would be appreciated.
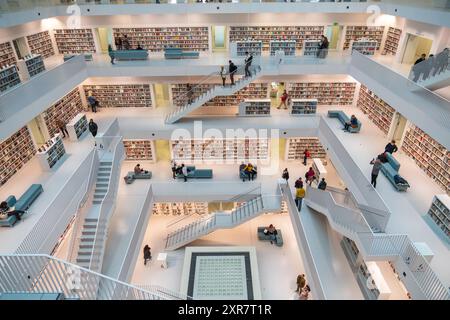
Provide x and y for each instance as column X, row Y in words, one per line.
column 93, row 128
column 391, row 147
column 310, row 175
column 299, row 183
column 231, row 70
column 301, row 282
column 306, row 155
column 323, row 47
column 284, row 98
column 299, row 195
column 111, row 53
column 322, row 184
column 174, row 168
column 375, row 171
column 92, row 102
column 62, row 127
column 184, row 172
column 147, row 254
column 248, row 62
column 223, row 75
column 422, row 58
column 285, row 174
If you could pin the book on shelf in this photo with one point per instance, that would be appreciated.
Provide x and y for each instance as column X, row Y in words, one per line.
column 121, row 95
column 31, row 65
column 253, row 47
column 326, row 93
column 77, row 127
column 372, row 33
column 7, row 56
column 41, row 43
column 392, row 41
column 287, row 46
column 365, row 46
column 255, row 108
column 303, row 106
column 296, row 147
column 311, row 47
column 180, row 208
column 74, row 41
column 139, row 149
column 9, row 77
column 440, row 213
column 50, row 152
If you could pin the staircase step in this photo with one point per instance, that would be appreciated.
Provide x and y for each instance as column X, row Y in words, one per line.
column 81, row 260
column 105, row 163
column 103, row 174
column 104, row 169
column 97, row 202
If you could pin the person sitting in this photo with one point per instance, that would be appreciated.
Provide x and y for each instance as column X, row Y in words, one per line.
column 391, row 147
column 5, row 212
column 138, row 170
column 139, row 47
column 310, row 175
column 242, row 173
column 352, row 123
column 322, row 185
column 383, row 157
column 272, row 231
column 250, row 171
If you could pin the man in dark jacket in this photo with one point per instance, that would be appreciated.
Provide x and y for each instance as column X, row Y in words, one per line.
column 93, row 128
column 232, row 70
column 422, row 58
column 391, row 147
column 248, row 63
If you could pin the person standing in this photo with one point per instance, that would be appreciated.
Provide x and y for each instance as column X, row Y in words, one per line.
column 184, row 172
column 62, row 127
column 223, row 75
column 299, row 195
column 284, row 98
column 306, row 155
column 174, row 168
column 310, row 175
column 299, row 183
column 119, row 43
column 322, row 184
column 147, row 254
column 391, row 147
column 248, row 63
column 92, row 102
column 285, row 174
column 93, row 128
column 231, row 70
column 126, row 43
column 422, row 58
column 301, row 282
column 375, row 171
column 111, row 53
column 323, row 47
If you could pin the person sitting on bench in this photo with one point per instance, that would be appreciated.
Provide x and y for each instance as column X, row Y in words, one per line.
column 138, row 170
column 352, row 123
column 250, row 171
column 272, row 231
column 5, row 213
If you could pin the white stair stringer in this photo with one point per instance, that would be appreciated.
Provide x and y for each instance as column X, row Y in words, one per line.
column 222, row 220
column 215, row 91
column 397, row 248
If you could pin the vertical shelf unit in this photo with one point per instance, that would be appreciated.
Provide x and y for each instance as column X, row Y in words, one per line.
column 303, row 106
column 365, row 46
column 255, row 108
column 326, row 93
column 440, row 213
column 41, row 43
column 180, row 208
column 354, row 33
column 49, row 153
column 232, row 150
column 311, row 47
column 268, row 33
column 287, row 46
column 156, row 39
column 429, row 155
column 392, row 41
column 74, row 41
column 253, row 47
column 77, row 127
column 9, row 77
column 31, row 66
column 65, row 109
column 15, row 152
column 140, row 149
column 121, row 95
column 296, row 146
column 377, row 110
column 7, row 57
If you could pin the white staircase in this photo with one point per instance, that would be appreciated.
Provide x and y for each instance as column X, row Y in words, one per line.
column 346, row 219
column 215, row 91
column 222, row 220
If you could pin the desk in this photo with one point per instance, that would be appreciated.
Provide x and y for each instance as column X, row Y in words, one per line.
column 162, row 257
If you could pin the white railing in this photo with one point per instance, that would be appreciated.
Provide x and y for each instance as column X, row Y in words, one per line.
column 82, row 211
column 170, row 294
column 46, row 232
column 115, row 154
column 38, row 273
column 376, row 246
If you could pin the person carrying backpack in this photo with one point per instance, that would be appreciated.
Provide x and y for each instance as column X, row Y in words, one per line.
column 232, row 70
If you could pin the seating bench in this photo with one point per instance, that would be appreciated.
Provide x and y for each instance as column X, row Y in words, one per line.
column 24, row 202
column 266, row 237
column 129, row 54
column 197, row 173
column 343, row 118
column 178, row 53
column 131, row 176
column 390, row 170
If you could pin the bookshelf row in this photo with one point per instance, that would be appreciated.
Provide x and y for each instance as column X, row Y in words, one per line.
column 253, row 47
column 220, row 149
column 326, row 93
column 77, row 126
column 139, row 150
column 271, row 33
column 121, row 95
column 255, row 108
column 31, row 65
column 355, row 33
column 429, row 155
column 7, row 57
column 440, row 213
column 41, row 43
column 392, row 41
column 365, row 46
column 74, row 41
column 297, row 146
column 377, row 110
column 9, row 77
column 156, row 39
column 180, row 208
column 287, row 46
column 65, row 109
column 15, row 152
column 304, row 106
column 311, row 47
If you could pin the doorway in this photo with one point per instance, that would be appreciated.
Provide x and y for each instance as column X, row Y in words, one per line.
column 333, row 33
column 105, row 37
column 219, row 36
column 21, row 47
column 415, row 47
column 162, row 96
column 399, row 125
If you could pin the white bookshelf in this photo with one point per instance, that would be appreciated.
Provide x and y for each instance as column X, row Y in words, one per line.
column 121, row 95
column 365, row 46
column 319, row 169
column 326, row 93
column 77, row 127
column 303, row 106
column 255, row 108
column 9, row 77
column 41, row 43
column 232, row 150
column 296, row 146
column 31, row 65
column 74, row 41
column 180, row 208
column 253, row 47
column 140, row 149
column 15, row 152
column 311, row 47
column 378, row 111
column 432, row 157
column 50, row 152
column 287, row 46
column 392, row 41
column 354, row 33
column 7, row 56
column 440, row 213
